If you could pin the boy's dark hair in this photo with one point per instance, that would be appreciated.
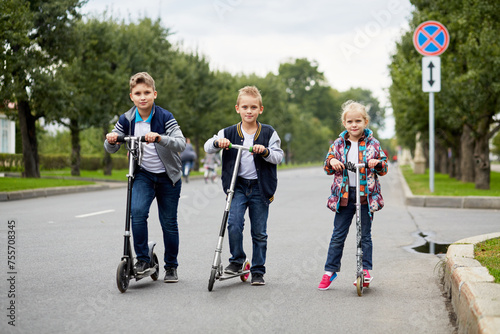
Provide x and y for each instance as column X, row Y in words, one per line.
column 142, row 78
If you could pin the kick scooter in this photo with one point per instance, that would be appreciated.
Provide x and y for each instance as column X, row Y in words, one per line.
column 360, row 275
column 217, row 268
column 126, row 269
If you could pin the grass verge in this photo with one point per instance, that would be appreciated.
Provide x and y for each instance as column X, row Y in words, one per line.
column 444, row 185
column 488, row 254
column 17, row 183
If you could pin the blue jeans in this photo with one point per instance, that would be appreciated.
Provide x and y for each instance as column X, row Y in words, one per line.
column 247, row 195
column 341, row 224
column 146, row 187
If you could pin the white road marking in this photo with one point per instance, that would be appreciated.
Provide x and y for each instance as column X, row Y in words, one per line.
column 94, row 213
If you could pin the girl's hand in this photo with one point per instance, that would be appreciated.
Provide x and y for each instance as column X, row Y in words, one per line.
column 373, row 162
column 336, row 165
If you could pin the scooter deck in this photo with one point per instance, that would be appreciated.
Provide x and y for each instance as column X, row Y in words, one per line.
column 228, row 276
column 147, row 273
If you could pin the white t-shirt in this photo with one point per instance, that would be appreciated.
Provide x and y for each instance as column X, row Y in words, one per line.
column 352, row 156
column 150, row 160
column 247, row 165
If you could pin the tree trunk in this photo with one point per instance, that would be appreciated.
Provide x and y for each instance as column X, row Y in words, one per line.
column 482, row 162
column 27, row 125
column 441, row 157
column 107, row 161
column 75, row 148
column 467, row 155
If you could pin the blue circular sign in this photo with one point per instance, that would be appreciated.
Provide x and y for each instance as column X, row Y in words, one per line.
column 431, row 38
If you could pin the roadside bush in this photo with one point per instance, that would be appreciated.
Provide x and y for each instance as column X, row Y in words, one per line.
column 11, row 162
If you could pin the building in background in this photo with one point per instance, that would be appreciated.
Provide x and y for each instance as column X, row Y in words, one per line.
column 7, row 132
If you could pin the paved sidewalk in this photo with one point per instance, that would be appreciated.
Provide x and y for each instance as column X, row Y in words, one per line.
column 474, row 295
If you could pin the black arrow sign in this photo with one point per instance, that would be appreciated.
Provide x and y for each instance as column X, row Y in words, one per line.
column 431, row 67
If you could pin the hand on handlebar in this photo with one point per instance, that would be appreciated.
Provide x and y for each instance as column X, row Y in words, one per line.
column 372, row 163
column 336, row 165
column 152, row 137
column 112, row 137
column 222, row 143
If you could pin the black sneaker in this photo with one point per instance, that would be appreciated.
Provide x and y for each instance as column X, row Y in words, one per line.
column 171, row 275
column 258, row 279
column 233, row 269
column 141, row 267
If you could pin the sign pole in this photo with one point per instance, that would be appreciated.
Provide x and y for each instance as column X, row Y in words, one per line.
column 431, row 39
column 431, row 141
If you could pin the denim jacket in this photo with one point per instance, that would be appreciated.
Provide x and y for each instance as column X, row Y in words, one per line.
column 368, row 148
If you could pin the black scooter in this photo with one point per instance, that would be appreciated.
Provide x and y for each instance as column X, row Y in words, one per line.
column 126, row 270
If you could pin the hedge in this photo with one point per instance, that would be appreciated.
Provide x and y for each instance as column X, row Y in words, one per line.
column 14, row 162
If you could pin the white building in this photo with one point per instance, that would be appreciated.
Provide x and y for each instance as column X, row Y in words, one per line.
column 7, row 134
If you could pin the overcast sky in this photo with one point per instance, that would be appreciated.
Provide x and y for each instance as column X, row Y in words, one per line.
column 352, row 41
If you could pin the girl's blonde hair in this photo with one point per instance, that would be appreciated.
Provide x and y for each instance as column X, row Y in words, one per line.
column 351, row 105
column 251, row 91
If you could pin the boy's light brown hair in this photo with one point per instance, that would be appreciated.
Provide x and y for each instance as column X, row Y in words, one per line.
column 142, row 78
column 250, row 91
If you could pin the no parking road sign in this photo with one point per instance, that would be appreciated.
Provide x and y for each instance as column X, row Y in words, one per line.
column 431, row 38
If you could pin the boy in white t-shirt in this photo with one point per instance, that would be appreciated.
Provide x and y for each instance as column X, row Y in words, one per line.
column 256, row 183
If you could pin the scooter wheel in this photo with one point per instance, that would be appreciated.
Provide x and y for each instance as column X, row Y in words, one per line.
column 156, row 274
column 246, row 266
column 359, row 285
column 122, row 276
column 211, row 281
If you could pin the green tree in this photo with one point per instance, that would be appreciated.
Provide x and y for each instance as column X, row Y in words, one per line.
column 468, row 101
column 34, row 36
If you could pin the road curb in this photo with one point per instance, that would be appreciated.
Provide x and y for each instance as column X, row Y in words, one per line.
column 465, row 202
column 474, row 295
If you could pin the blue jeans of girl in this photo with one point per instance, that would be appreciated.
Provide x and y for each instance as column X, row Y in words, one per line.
column 247, row 195
column 341, row 224
column 148, row 186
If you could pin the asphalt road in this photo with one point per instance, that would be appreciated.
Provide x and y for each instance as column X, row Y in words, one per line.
column 67, row 249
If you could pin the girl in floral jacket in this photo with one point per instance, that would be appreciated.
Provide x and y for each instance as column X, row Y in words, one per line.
column 357, row 145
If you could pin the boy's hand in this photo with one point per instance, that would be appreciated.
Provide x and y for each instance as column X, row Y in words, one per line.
column 223, row 143
column 112, row 137
column 152, row 137
column 258, row 149
column 336, row 165
column 373, row 162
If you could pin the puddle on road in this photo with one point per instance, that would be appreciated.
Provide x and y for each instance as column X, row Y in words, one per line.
column 430, row 247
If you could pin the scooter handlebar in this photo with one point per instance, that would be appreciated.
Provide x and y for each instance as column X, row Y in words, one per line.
column 352, row 166
column 235, row 146
column 123, row 139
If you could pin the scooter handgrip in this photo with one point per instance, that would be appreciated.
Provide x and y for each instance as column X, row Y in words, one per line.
column 120, row 139
column 143, row 138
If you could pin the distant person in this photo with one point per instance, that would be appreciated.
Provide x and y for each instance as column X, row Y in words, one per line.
column 188, row 156
column 356, row 145
column 159, row 175
column 256, row 183
column 210, row 163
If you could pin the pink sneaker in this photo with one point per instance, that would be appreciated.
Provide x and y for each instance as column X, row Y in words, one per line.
column 326, row 281
column 368, row 279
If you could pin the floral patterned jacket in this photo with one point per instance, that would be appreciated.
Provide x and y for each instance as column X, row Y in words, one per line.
column 368, row 148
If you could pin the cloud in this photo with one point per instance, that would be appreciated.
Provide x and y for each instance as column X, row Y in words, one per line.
column 351, row 40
